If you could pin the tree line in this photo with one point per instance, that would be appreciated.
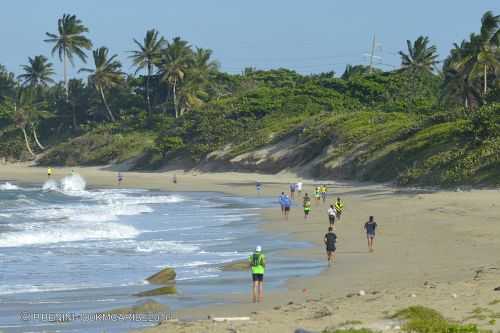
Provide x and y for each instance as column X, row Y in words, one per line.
column 173, row 78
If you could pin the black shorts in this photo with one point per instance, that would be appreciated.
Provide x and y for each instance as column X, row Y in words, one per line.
column 258, row 277
column 331, row 249
column 331, row 218
column 287, row 208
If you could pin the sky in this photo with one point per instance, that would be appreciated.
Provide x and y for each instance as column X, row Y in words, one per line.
column 307, row 36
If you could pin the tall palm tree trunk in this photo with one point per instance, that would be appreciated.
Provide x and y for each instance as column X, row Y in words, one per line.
column 485, row 79
column 26, row 141
column 111, row 116
column 175, row 99
column 66, row 87
column 148, row 101
column 36, row 137
column 75, row 125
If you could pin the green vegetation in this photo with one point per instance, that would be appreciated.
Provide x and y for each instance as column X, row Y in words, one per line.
column 419, row 319
column 420, row 124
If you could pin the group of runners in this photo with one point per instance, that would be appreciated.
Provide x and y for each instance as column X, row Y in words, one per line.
column 334, row 214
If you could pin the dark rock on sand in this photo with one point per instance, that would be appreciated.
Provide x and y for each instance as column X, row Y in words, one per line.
column 148, row 306
column 167, row 290
column 165, row 276
column 240, row 265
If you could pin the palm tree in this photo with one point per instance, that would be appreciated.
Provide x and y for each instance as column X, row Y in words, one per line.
column 483, row 50
column 458, row 85
column 69, row 41
column 146, row 56
column 106, row 74
column 37, row 73
column 420, row 57
column 175, row 61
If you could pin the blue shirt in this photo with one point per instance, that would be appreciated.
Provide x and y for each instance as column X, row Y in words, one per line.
column 286, row 202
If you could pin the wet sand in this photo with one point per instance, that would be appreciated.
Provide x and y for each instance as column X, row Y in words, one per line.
column 428, row 248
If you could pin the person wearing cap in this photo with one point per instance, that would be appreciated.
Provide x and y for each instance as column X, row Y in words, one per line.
column 258, row 264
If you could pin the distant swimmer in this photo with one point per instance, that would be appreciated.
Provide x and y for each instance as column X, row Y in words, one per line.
column 49, row 172
column 370, row 227
column 307, row 206
column 281, row 200
column 331, row 245
column 324, row 191
column 331, row 215
column 287, row 203
column 339, row 208
column 258, row 265
column 119, row 178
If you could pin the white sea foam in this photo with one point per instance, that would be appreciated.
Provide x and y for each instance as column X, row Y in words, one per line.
column 70, row 185
column 67, row 232
column 8, row 187
column 166, row 247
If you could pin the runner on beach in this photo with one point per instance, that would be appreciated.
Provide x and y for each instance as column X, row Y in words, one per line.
column 258, row 264
column 258, row 187
column 370, row 227
column 287, row 203
column 324, row 191
column 281, row 200
column 330, row 243
column 299, row 187
column 331, row 215
column 307, row 206
column 49, row 172
column 292, row 190
column 339, row 208
column 317, row 194
column 119, row 178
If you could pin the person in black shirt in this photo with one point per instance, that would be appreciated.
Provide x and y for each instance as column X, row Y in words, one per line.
column 370, row 227
column 330, row 242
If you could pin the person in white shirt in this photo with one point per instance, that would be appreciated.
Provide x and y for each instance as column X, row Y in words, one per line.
column 299, row 187
column 331, row 215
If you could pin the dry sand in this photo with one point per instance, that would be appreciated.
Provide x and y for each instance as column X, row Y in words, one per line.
column 428, row 250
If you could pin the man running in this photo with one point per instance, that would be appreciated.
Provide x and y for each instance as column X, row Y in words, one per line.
column 307, row 206
column 119, row 178
column 258, row 264
column 287, row 203
column 370, row 227
column 49, row 172
column 330, row 243
column 339, row 208
column 258, row 187
column 317, row 194
column 281, row 200
column 324, row 190
column 331, row 216
column 299, row 188
column 292, row 190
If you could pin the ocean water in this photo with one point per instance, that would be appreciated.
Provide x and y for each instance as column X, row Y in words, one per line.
column 68, row 249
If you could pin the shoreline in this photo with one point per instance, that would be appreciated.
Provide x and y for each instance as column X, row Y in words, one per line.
column 437, row 236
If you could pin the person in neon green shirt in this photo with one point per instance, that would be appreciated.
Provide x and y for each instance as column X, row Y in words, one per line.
column 257, row 262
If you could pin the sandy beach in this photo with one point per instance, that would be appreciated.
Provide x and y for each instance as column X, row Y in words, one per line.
column 438, row 249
